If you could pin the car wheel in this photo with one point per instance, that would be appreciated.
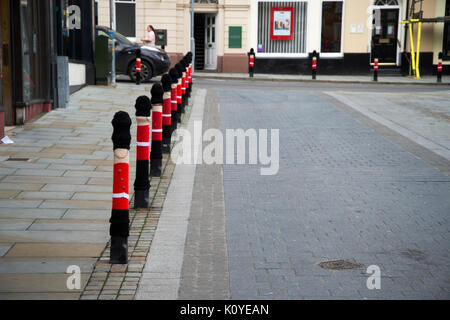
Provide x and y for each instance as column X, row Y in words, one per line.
column 146, row 71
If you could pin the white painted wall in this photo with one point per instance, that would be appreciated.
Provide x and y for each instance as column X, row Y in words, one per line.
column 77, row 74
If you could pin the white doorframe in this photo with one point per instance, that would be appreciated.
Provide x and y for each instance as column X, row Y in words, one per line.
column 399, row 30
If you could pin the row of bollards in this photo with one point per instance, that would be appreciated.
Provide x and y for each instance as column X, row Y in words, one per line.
column 168, row 102
column 314, row 58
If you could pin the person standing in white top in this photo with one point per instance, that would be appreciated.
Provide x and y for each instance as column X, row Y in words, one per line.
column 150, row 37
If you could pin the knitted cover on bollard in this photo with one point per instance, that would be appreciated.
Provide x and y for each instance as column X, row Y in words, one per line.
column 174, row 98
column 179, row 96
column 157, row 131
column 182, row 73
column 142, row 183
column 119, row 228
column 166, row 81
column 185, row 82
column 189, row 60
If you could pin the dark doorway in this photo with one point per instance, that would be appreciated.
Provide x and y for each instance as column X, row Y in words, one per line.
column 199, row 36
column 384, row 36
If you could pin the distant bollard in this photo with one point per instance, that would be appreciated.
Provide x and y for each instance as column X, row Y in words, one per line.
column 142, row 183
column 439, row 68
column 180, row 69
column 119, row 228
column 138, row 66
column 375, row 70
column 251, row 62
column 179, row 93
column 174, row 98
column 314, row 65
column 157, row 130
column 166, row 81
column 184, row 85
column 189, row 60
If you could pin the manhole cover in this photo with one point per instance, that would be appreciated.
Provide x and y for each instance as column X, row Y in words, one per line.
column 19, row 159
column 339, row 265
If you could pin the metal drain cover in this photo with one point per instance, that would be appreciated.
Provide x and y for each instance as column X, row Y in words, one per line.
column 339, row 265
column 19, row 159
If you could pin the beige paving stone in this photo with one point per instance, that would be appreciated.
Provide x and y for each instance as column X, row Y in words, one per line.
column 92, row 196
column 24, row 213
column 61, row 225
column 78, row 151
column 75, row 204
column 99, row 163
column 55, row 166
column 8, row 194
column 45, row 195
column 20, row 203
column 15, row 224
column 87, row 214
column 29, row 283
column 60, row 161
column 21, row 186
column 56, row 250
column 54, row 236
column 91, row 174
column 45, row 179
column 77, row 188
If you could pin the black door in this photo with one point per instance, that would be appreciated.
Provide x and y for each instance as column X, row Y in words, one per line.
column 384, row 36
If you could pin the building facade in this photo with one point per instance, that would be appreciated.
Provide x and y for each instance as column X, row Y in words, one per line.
column 42, row 57
column 348, row 34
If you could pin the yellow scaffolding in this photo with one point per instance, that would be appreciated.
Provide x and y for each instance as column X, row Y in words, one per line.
column 414, row 56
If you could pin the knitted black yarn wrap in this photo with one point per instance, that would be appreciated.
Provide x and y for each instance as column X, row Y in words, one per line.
column 121, row 136
column 143, row 106
column 174, row 75
column 120, row 220
column 180, row 68
column 166, row 81
column 157, row 93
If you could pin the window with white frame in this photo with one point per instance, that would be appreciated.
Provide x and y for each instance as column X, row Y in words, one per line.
column 126, row 17
column 331, row 38
column 269, row 46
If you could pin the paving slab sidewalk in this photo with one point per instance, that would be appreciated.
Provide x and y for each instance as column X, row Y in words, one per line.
column 55, row 191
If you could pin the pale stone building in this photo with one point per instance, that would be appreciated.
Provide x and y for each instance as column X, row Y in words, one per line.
column 285, row 33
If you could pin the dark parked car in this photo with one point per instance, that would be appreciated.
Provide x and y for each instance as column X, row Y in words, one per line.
column 154, row 60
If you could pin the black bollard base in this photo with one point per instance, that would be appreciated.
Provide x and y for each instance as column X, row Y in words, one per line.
column 141, row 199
column 119, row 250
column 166, row 145
column 156, row 167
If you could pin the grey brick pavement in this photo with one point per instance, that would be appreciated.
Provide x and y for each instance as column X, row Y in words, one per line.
column 342, row 192
column 205, row 264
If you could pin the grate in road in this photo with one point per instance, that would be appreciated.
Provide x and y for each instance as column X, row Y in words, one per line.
column 339, row 265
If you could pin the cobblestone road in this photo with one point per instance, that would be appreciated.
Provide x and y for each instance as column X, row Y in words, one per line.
column 343, row 192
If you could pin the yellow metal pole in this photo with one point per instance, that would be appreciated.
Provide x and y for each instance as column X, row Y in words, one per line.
column 419, row 35
column 413, row 58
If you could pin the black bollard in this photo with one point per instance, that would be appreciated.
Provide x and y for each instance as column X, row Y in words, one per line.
column 174, row 98
column 185, row 82
column 166, row 81
column 120, row 220
column 314, row 65
column 138, row 66
column 251, row 62
column 142, row 183
column 182, row 73
column 375, row 70
column 157, row 130
column 189, row 60
column 439, row 68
